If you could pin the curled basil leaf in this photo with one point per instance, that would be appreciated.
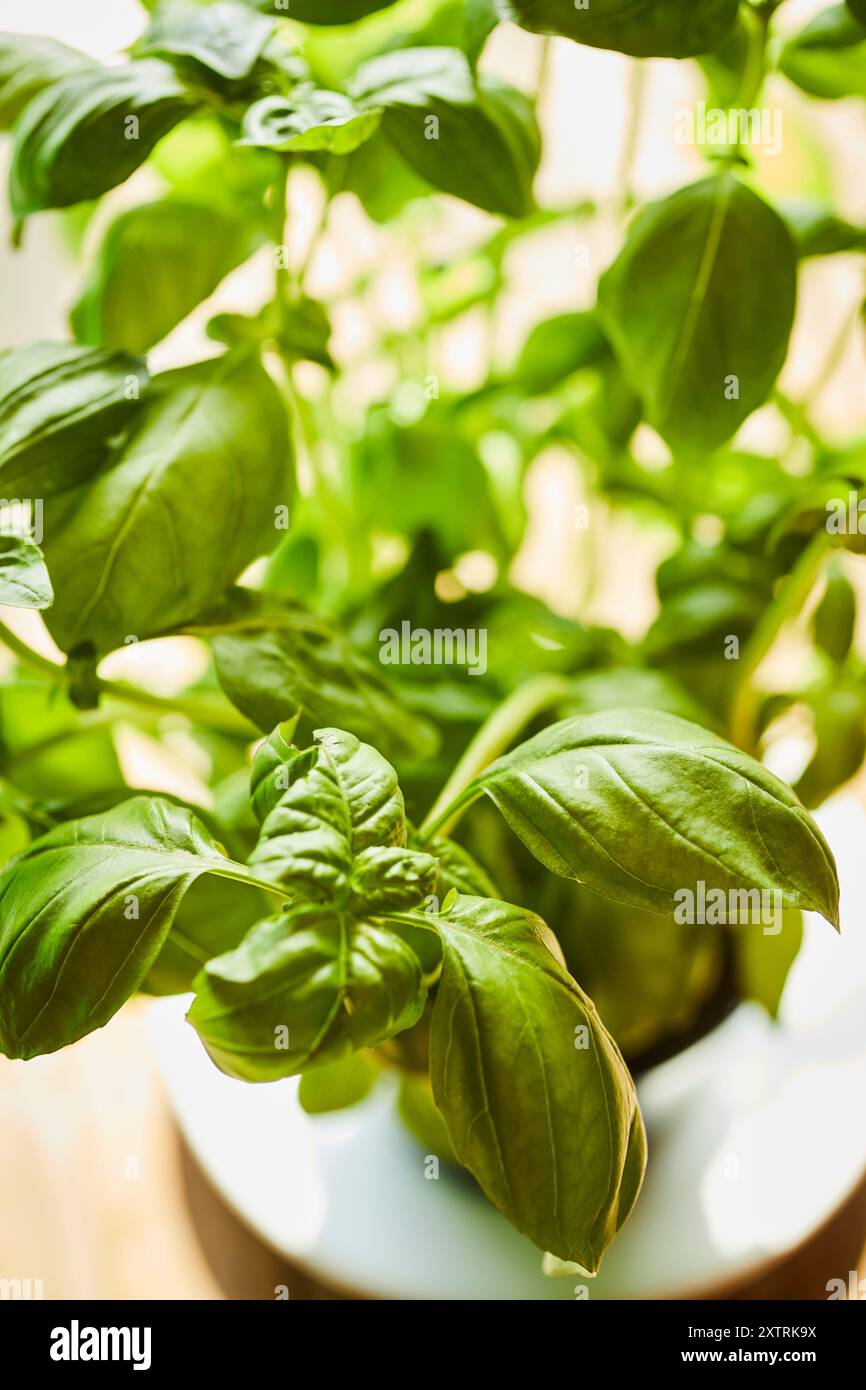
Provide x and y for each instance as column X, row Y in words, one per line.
column 310, row 119
column 538, row 1102
column 224, row 38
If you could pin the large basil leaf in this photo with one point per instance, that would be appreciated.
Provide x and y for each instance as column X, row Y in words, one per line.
column 155, row 265
column 24, row 581
column 537, row 1099
column 84, row 913
column 29, row 63
column 476, row 139
column 223, row 38
column 644, row 28
column 699, row 306
column 90, row 131
column 310, row 119
column 59, row 407
column 304, row 990
column 639, row 805
column 828, row 57
column 273, row 658
column 172, row 519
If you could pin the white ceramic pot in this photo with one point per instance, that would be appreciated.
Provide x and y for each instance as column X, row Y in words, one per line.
column 757, row 1136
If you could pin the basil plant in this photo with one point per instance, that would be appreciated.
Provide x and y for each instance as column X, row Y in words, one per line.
column 370, row 858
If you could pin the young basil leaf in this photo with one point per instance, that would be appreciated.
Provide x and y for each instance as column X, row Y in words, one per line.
column 817, row 231
column 28, row 64
column 652, row 29
column 339, row 1085
column 273, row 658
column 174, row 517
column 836, row 615
column 764, row 959
column 156, row 263
column 477, row 140
column 559, row 347
column 459, row 871
column 828, row 57
column 309, row 119
column 391, row 878
column 59, row 408
column 537, row 1099
column 348, row 801
column 304, row 990
column 90, row 131
column 697, row 810
column 224, row 38
column 24, row 581
column 699, row 307
column 85, row 911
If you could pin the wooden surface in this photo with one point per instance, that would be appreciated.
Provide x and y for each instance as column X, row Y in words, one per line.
column 99, row 1198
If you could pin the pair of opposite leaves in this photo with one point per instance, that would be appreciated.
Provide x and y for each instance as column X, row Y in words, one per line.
column 538, row 1102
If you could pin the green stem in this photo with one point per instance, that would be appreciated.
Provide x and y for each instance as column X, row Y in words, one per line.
column 786, row 605
column 493, row 738
column 222, row 718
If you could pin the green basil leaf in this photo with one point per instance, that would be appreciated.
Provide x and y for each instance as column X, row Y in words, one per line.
column 828, row 57
column 559, row 347
column 817, row 231
column 272, row 658
column 223, row 38
column 59, row 408
column 304, row 990
column 309, row 119
column 156, row 263
column 85, row 911
column 646, row 29
column 346, row 802
column 697, row 811
column 699, row 307
column 175, row 516
column 839, row 716
column 764, row 960
column 392, row 878
column 858, row 9
column 836, row 615
column 90, row 131
column 477, row 140
column 339, row 1085
column 24, row 581
column 28, row 64
column 537, row 1099
column 458, row 870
